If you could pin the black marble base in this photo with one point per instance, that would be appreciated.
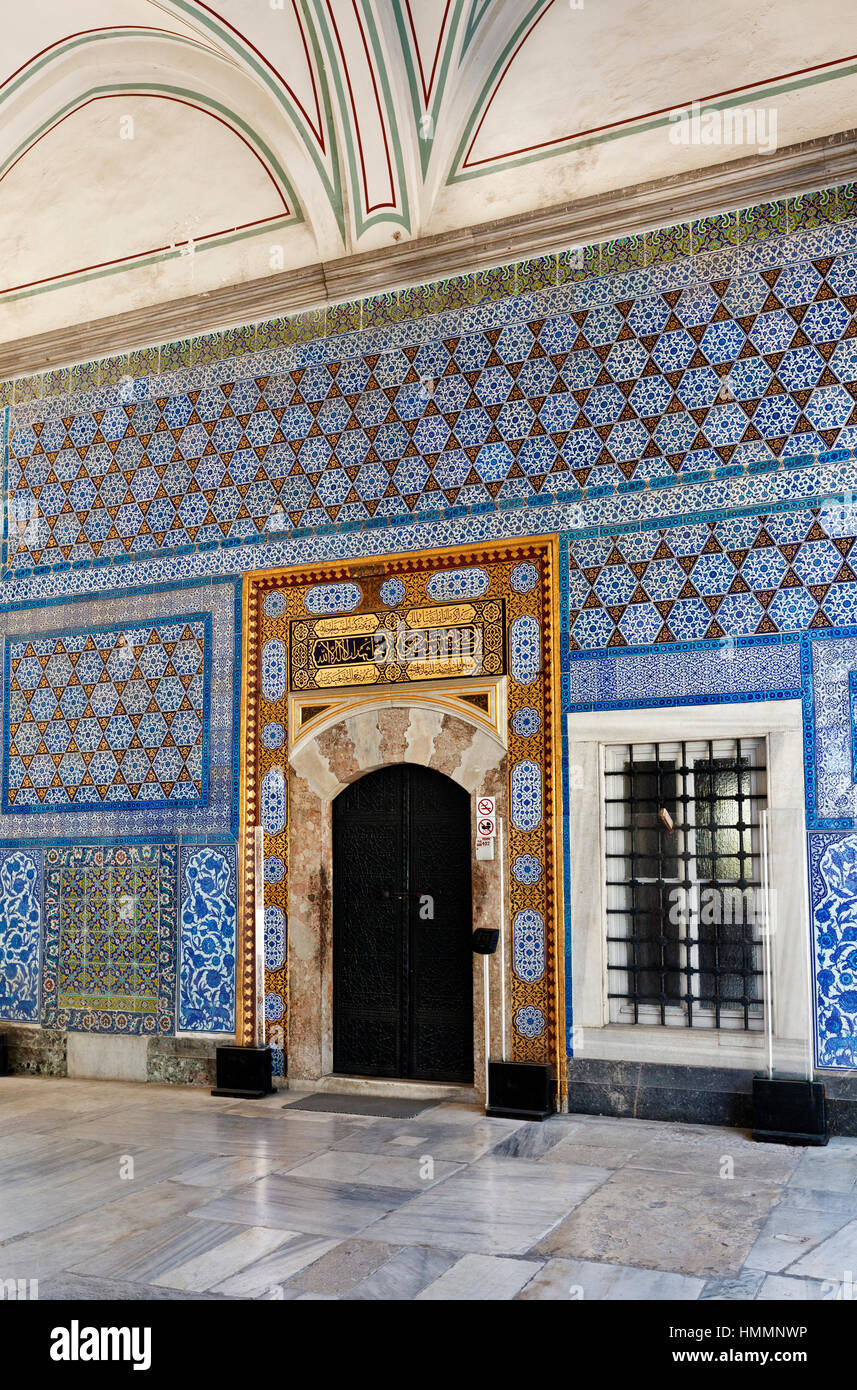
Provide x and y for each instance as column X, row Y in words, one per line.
column 789, row 1112
column 693, row 1095
column 520, row 1091
column 243, row 1072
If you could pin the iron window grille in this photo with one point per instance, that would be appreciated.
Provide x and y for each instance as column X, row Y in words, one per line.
column 685, row 898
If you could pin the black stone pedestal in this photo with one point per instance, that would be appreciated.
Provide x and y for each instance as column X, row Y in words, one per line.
column 519, row 1091
column 243, row 1072
column 789, row 1112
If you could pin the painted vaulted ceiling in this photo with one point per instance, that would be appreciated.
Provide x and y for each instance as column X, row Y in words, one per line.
column 151, row 149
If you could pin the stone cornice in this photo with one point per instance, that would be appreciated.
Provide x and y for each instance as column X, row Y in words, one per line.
column 737, row 184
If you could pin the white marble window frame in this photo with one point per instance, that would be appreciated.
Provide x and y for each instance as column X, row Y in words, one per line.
column 779, row 723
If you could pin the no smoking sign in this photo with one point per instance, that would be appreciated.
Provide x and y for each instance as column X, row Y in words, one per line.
column 486, row 817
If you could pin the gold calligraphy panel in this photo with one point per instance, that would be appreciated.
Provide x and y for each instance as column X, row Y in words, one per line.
column 432, row 642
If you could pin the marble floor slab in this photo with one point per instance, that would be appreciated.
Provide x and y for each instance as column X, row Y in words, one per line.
column 790, row 1233
column 416, row 1173
column 153, row 1252
column 405, row 1275
column 111, row 1190
column 275, row 1272
column 479, row 1278
column 315, row 1206
column 216, row 1264
column 497, row 1206
column 833, row 1260
column 778, row 1287
column 667, row 1221
column 574, row 1280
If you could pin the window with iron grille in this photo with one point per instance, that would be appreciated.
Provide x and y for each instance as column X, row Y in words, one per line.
column 685, row 898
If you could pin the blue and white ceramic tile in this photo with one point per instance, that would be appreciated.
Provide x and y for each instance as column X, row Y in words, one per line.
column 833, row 887
column 207, row 943
column 20, row 935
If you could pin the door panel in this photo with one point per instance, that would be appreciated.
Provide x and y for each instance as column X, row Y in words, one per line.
column 402, row 981
column 442, row 976
column 368, row 848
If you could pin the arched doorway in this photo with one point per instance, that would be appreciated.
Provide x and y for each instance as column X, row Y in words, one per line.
column 402, row 919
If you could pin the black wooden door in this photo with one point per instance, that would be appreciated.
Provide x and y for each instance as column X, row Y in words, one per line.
column 402, row 962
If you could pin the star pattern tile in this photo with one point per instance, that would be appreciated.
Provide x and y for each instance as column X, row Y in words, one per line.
column 112, row 717
column 705, row 582
column 748, row 368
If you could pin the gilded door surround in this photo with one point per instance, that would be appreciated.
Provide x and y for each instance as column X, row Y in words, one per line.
column 519, row 709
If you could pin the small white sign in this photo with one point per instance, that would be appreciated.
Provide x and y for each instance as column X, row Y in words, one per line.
column 486, row 827
column 484, row 847
column 485, row 806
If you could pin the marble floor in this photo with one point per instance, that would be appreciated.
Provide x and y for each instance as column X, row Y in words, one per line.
column 117, row 1191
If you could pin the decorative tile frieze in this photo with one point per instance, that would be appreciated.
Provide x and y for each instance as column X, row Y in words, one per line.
column 827, row 663
column 639, row 376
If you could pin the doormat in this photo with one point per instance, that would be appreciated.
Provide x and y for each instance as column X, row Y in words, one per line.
column 381, row 1107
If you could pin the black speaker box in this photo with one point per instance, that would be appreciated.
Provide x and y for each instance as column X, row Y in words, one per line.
column 244, row 1072
column 789, row 1112
column 519, row 1090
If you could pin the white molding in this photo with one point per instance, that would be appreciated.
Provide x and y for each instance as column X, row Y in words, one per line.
column 779, row 722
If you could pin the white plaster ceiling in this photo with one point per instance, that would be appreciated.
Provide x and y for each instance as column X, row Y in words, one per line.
column 151, row 149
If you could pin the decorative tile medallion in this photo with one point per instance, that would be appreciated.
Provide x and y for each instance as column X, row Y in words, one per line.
column 274, row 606
column 392, row 592
column 526, row 721
column 530, row 1021
column 274, row 801
column 524, row 578
column 274, row 673
column 525, row 649
column 527, row 869
column 457, row 584
column 273, row 735
column 273, row 868
column 332, row 598
column 275, row 937
column 526, row 794
column 528, row 944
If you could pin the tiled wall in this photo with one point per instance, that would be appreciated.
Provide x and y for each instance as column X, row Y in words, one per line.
column 120, row 740
column 732, row 358
column 681, row 408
